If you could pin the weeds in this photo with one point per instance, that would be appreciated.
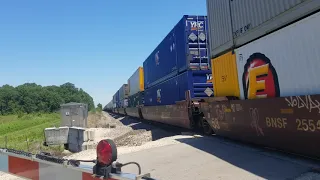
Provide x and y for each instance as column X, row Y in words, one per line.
column 26, row 131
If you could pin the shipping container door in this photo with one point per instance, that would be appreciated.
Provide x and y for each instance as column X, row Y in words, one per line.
column 225, row 75
column 284, row 63
column 162, row 63
column 191, row 39
column 197, row 82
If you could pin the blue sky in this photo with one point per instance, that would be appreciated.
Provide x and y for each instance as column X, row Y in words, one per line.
column 96, row 45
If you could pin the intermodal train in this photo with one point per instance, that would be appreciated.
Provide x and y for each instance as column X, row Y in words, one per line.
column 249, row 71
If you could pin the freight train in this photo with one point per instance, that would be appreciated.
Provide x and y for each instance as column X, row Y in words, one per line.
column 249, row 75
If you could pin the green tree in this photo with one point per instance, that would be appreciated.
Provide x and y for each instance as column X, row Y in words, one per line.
column 99, row 107
column 32, row 98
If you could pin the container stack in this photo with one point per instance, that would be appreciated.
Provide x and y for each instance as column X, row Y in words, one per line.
column 179, row 63
column 123, row 96
column 115, row 99
column 136, row 89
column 109, row 106
column 262, row 49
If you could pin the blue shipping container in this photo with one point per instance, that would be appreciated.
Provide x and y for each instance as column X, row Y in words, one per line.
column 184, row 48
column 173, row 89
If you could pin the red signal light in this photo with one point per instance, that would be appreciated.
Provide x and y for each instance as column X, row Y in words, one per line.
column 106, row 152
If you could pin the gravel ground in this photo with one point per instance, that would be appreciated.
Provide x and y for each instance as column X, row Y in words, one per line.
column 91, row 154
column 5, row 176
column 129, row 135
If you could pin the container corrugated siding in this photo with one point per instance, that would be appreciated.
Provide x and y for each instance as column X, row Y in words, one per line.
column 136, row 82
column 219, row 26
column 173, row 90
column 123, row 92
column 114, row 98
column 136, row 100
column 252, row 19
column 117, row 99
column 294, row 58
column 178, row 52
column 109, row 105
column 164, row 93
column 225, row 75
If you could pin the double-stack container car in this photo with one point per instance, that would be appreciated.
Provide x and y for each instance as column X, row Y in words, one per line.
column 136, row 93
column 179, row 63
column 184, row 48
column 109, row 106
column 264, row 62
column 123, row 98
column 264, row 53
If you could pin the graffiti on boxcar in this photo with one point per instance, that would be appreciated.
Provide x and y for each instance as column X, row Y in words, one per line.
column 236, row 107
column 220, row 111
column 159, row 95
column 259, row 78
column 303, row 102
column 156, row 58
column 254, row 114
column 215, row 123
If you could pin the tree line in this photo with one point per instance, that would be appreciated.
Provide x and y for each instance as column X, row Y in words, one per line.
column 33, row 98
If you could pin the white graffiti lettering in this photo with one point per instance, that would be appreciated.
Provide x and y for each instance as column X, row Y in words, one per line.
column 254, row 114
column 306, row 102
column 236, row 107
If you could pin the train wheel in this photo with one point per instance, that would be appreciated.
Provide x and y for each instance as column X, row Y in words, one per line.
column 206, row 127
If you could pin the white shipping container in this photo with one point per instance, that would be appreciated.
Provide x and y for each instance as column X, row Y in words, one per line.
column 233, row 23
column 135, row 82
column 287, row 62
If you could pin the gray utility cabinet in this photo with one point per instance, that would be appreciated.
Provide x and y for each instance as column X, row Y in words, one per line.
column 74, row 114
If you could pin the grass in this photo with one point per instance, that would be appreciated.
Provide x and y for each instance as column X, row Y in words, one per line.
column 26, row 132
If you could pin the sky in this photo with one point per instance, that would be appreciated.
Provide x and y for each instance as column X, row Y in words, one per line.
column 95, row 44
